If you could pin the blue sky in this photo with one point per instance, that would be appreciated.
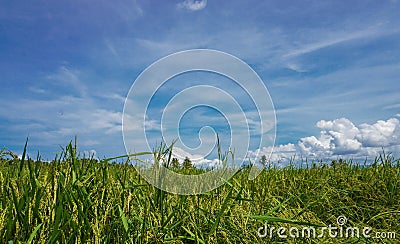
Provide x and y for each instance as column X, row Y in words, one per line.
column 332, row 68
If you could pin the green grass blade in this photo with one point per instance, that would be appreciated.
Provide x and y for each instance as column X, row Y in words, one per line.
column 221, row 212
column 124, row 219
column 34, row 233
column 21, row 162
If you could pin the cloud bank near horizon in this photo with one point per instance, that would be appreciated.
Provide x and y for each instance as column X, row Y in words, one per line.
column 338, row 138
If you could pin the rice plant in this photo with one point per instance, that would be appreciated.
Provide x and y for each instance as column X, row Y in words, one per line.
column 74, row 199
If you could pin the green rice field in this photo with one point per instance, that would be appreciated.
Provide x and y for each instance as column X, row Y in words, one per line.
column 83, row 200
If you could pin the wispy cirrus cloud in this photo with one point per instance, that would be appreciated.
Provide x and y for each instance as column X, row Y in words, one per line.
column 52, row 118
column 329, row 38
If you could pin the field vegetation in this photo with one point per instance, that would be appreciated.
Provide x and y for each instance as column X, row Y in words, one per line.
column 84, row 200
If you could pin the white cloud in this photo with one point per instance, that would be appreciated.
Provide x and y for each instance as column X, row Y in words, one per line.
column 37, row 90
column 334, row 37
column 197, row 160
column 278, row 153
column 109, row 121
column 296, row 67
column 193, row 5
column 316, row 148
column 53, row 120
column 397, row 105
column 90, row 154
column 138, row 123
column 69, row 78
column 251, row 44
column 342, row 137
column 113, row 96
column 338, row 138
column 380, row 134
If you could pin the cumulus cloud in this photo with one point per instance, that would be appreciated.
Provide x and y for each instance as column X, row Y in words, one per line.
column 380, row 134
column 342, row 137
column 316, row 148
column 338, row 138
column 193, row 5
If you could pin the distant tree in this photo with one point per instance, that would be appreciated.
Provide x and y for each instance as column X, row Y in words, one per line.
column 175, row 163
column 263, row 160
column 338, row 163
column 187, row 163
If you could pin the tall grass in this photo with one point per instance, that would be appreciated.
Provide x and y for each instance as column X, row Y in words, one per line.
column 78, row 200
